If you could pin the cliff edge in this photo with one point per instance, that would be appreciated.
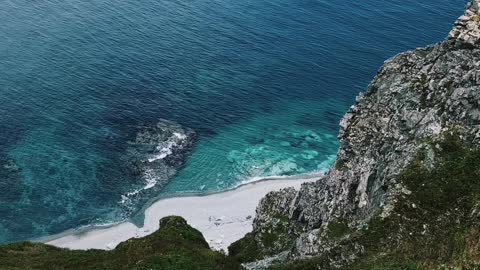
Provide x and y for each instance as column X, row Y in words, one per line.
column 404, row 192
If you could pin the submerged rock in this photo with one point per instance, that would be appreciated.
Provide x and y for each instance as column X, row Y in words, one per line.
column 156, row 153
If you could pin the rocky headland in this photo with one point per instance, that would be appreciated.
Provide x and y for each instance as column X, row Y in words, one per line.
column 405, row 187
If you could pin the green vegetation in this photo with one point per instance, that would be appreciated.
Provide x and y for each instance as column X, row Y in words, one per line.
column 340, row 165
column 420, row 86
column 175, row 246
column 437, row 226
column 277, row 239
column 316, row 263
column 278, row 233
column 423, row 89
column 372, row 89
column 270, row 238
column 337, row 230
column 245, row 249
column 450, row 88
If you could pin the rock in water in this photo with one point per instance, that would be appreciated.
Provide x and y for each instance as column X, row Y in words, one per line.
column 156, row 153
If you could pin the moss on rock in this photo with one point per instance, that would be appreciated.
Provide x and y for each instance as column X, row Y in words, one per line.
column 245, row 249
column 337, row 229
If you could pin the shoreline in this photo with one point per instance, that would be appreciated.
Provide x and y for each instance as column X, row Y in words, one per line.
column 221, row 216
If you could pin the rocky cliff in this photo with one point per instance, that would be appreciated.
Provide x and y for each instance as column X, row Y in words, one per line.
column 405, row 188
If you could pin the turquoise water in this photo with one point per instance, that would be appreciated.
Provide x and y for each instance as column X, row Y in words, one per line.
column 107, row 104
column 269, row 144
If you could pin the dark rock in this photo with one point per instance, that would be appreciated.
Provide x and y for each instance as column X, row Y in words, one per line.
column 156, row 153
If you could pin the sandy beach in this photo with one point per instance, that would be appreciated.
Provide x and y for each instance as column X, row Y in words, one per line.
column 222, row 217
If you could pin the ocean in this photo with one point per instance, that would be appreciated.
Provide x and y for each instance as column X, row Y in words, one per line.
column 106, row 105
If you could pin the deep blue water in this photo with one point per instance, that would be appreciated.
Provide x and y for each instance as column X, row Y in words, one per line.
column 262, row 83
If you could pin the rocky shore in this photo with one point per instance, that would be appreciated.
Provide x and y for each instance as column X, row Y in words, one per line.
column 467, row 27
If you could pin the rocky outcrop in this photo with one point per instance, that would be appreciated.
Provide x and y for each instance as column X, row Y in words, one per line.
column 154, row 156
column 417, row 99
column 467, row 27
column 158, row 149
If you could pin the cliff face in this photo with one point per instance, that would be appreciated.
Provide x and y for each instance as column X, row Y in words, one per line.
column 421, row 110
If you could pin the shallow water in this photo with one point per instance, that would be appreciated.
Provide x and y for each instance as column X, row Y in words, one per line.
column 262, row 83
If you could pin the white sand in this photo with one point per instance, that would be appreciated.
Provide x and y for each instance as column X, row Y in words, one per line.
column 222, row 217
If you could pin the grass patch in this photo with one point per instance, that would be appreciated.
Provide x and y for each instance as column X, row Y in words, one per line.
column 341, row 164
column 245, row 249
column 175, row 246
column 337, row 230
column 277, row 235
